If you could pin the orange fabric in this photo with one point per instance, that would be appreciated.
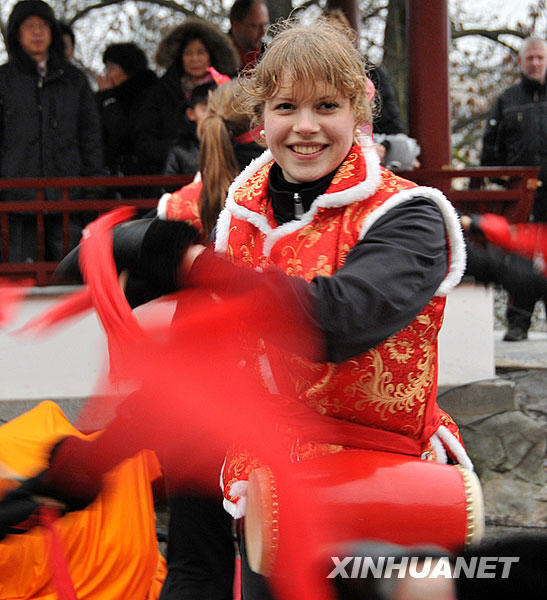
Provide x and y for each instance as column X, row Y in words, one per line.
column 110, row 548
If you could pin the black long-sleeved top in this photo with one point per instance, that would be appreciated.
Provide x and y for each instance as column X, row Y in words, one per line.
column 387, row 279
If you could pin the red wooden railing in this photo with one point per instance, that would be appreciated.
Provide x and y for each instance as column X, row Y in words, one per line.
column 471, row 191
column 41, row 270
column 467, row 189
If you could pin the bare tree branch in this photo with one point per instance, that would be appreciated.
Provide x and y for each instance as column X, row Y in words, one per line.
column 170, row 4
column 491, row 34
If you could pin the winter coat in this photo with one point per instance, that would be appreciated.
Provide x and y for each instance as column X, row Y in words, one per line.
column 48, row 126
column 389, row 119
column 162, row 122
column 119, row 108
column 516, row 134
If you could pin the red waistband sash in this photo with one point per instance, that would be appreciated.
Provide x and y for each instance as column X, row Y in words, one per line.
column 307, row 426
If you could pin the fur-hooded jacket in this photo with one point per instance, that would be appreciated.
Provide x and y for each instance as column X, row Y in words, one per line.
column 162, row 121
column 224, row 56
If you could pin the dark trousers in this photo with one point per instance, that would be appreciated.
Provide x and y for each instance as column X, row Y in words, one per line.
column 200, row 550
column 23, row 237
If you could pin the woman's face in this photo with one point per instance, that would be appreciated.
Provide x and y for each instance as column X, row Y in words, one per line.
column 309, row 134
column 195, row 60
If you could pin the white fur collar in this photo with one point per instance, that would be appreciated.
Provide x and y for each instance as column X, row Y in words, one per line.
column 361, row 191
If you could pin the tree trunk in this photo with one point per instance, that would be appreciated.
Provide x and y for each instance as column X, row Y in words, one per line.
column 395, row 53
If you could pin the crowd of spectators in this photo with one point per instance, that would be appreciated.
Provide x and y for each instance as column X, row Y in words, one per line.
column 129, row 121
column 57, row 119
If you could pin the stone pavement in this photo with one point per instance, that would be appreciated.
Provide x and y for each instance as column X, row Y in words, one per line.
column 528, row 354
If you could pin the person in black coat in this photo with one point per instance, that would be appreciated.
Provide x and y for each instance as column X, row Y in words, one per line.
column 186, row 53
column 49, row 124
column 122, row 93
column 183, row 157
column 516, row 135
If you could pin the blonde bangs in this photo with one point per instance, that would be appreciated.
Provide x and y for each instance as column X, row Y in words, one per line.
column 304, row 57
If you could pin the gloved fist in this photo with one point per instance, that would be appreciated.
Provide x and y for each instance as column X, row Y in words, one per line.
column 17, row 508
column 150, row 249
column 73, row 477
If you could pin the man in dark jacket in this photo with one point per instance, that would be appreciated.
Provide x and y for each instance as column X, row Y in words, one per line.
column 516, row 134
column 49, row 124
column 249, row 20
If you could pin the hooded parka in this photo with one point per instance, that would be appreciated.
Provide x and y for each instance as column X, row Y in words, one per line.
column 162, row 122
column 49, row 125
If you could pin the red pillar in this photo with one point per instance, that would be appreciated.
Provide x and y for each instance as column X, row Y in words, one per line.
column 428, row 93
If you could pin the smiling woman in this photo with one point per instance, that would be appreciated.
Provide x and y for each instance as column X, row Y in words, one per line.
column 309, row 136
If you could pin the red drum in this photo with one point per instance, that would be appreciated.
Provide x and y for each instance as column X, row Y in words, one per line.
column 369, row 495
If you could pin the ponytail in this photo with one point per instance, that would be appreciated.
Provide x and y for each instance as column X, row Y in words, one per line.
column 223, row 121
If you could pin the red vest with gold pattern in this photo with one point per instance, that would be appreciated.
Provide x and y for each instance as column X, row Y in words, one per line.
column 182, row 205
column 391, row 387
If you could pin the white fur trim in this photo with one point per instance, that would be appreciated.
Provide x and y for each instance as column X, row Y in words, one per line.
column 221, row 482
column 454, row 445
column 361, row 191
column 438, row 448
column 453, row 228
column 239, row 488
column 223, row 222
column 162, row 207
column 358, row 192
column 236, row 510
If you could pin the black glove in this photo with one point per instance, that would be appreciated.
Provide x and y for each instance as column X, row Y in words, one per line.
column 16, row 510
column 73, row 478
column 150, row 249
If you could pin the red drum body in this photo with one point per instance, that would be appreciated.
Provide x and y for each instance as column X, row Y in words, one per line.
column 368, row 495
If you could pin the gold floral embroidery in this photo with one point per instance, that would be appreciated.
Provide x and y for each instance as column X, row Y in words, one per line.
column 253, row 190
column 399, row 350
column 376, row 388
column 312, row 449
column 346, row 169
column 294, row 264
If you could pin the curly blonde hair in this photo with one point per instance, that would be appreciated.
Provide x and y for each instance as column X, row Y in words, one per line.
column 305, row 56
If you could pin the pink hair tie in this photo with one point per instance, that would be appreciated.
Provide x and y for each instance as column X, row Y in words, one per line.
column 371, row 90
column 218, row 78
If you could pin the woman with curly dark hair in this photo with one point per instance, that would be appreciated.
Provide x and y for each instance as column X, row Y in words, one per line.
column 187, row 52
